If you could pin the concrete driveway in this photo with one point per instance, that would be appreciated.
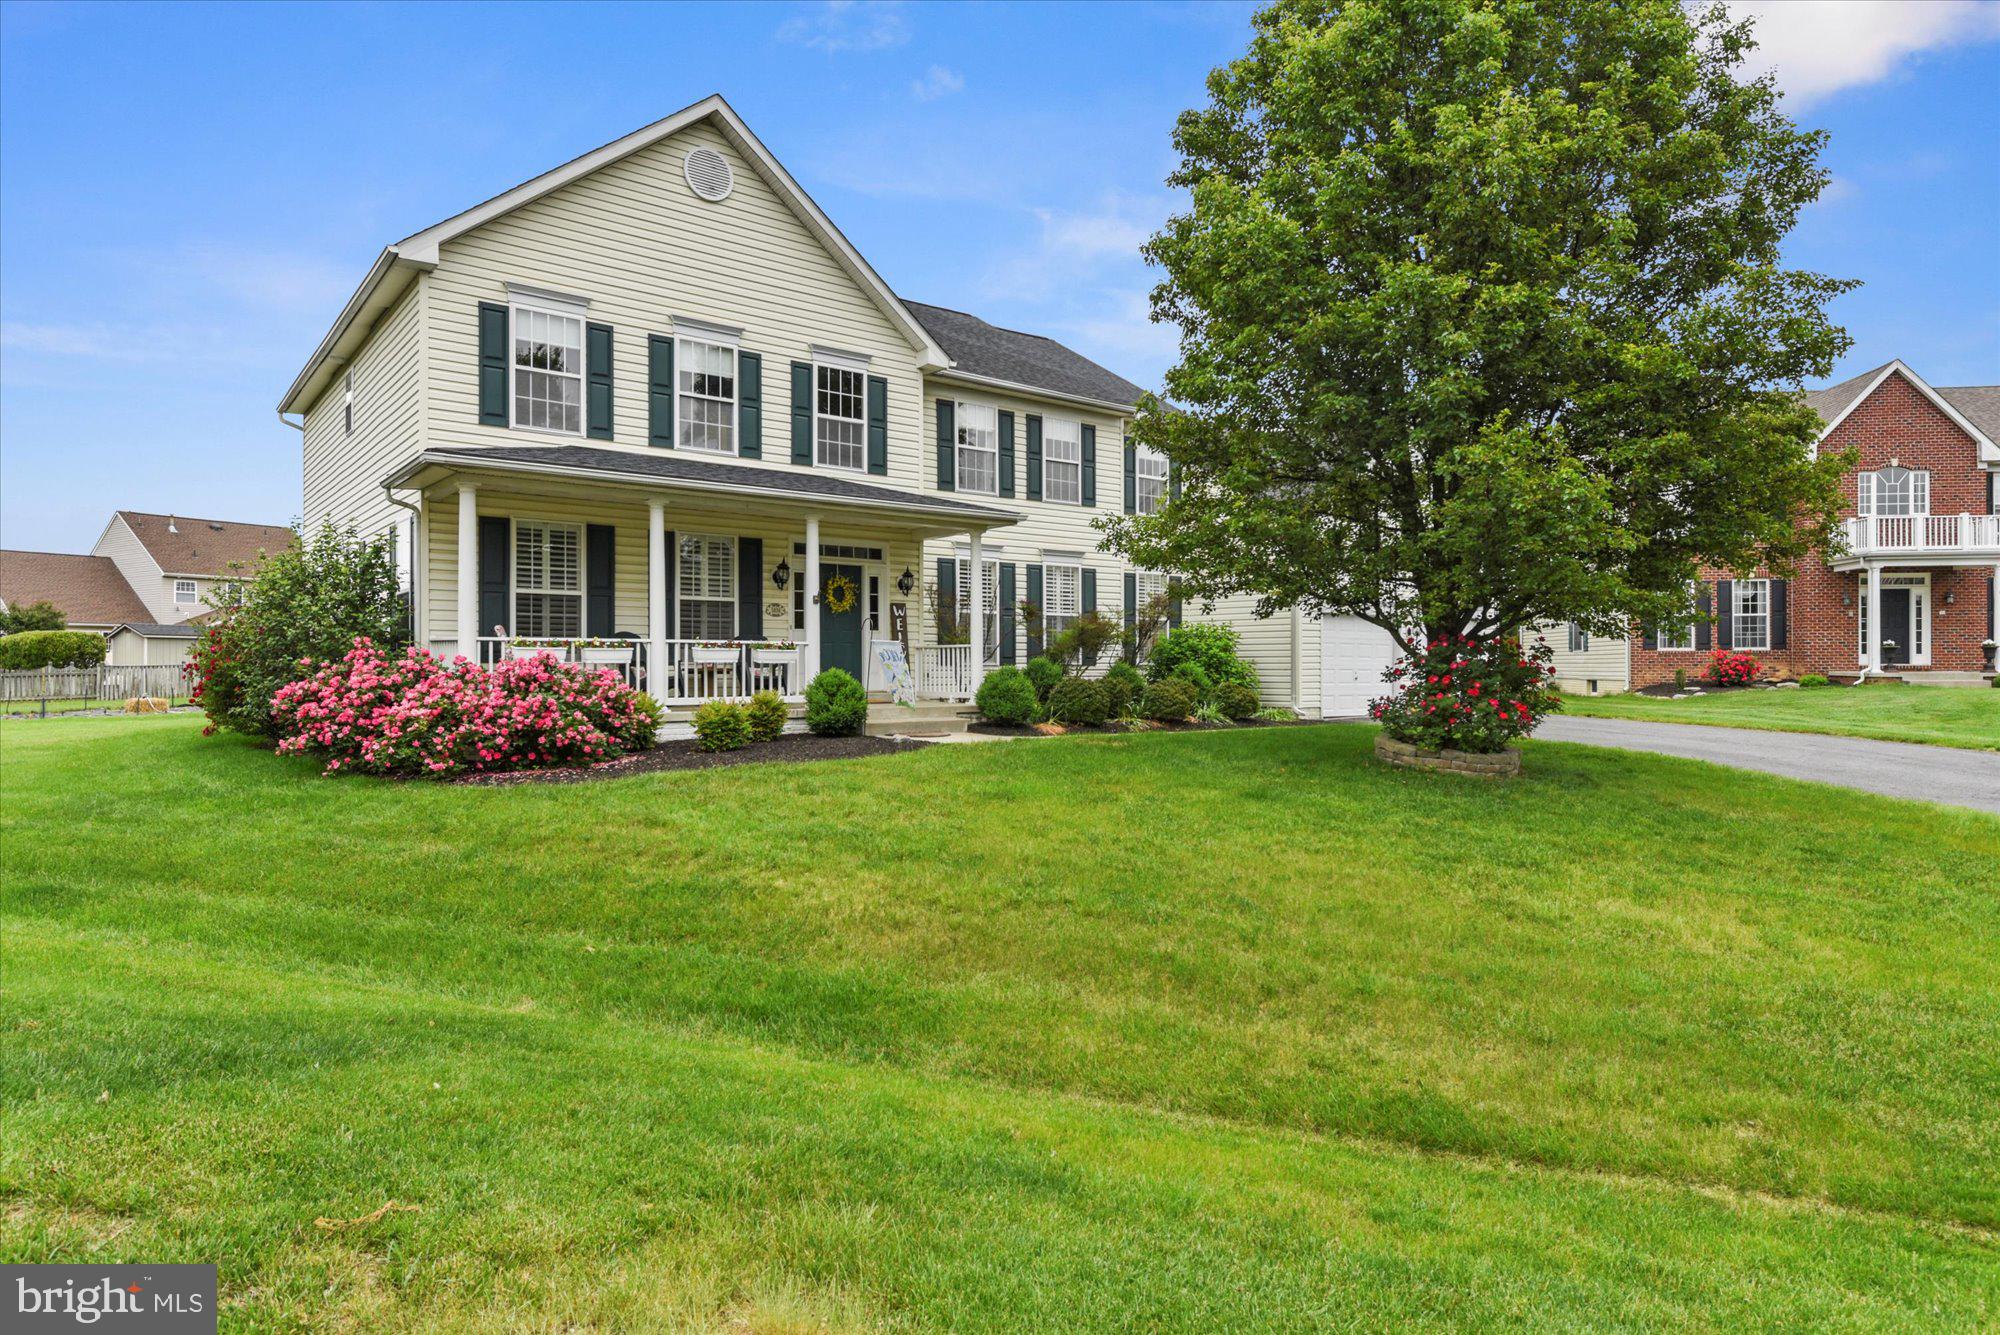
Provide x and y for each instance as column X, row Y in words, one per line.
column 1895, row 769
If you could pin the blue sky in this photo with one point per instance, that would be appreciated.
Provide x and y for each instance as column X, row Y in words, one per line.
column 187, row 194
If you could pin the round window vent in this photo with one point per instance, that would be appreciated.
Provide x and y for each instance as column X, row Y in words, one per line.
column 708, row 174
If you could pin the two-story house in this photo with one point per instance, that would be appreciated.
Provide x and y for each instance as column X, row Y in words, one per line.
column 1919, row 539
column 654, row 397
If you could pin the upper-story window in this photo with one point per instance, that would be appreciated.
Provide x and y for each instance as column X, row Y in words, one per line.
column 548, row 369
column 1062, row 460
column 185, row 592
column 548, row 579
column 978, row 462
column 1150, row 481
column 1751, row 627
column 707, row 374
column 840, row 424
column 1893, row 491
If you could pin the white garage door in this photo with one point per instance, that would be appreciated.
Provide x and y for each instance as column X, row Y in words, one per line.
column 1353, row 656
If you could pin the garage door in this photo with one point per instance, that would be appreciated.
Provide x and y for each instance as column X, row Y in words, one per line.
column 1353, row 656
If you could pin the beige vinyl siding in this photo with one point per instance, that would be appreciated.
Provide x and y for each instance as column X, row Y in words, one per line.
column 140, row 570
column 1607, row 661
column 1267, row 645
column 637, row 244
column 343, row 473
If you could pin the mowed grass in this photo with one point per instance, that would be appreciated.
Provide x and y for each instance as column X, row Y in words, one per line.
column 1966, row 717
column 1177, row 1032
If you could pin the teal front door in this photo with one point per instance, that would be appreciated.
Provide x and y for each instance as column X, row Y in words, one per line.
column 840, row 632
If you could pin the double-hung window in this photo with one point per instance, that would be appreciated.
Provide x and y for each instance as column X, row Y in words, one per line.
column 989, row 602
column 978, row 448
column 1676, row 636
column 548, row 369
column 1893, row 491
column 186, row 592
column 707, row 376
column 1062, row 596
column 548, row 579
column 1750, row 627
column 1150, row 482
column 1062, row 460
column 840, row 425
column 707, row 583
column 1146, row 586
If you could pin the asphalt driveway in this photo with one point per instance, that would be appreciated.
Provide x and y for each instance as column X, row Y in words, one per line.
column 1895, row 769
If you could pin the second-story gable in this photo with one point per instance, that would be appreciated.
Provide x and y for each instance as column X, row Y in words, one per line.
column 1919, row 450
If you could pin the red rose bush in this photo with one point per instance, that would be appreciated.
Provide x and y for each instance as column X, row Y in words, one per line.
column 417, row 714
column 1468, row 694
column 1732, row 669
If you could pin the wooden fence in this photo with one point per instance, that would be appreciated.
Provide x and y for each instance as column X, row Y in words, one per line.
column 34, row 690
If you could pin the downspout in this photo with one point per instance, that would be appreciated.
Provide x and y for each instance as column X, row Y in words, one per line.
column 416, row 519
column 1298, row 663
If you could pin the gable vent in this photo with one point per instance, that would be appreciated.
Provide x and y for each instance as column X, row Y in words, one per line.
column 708, row 174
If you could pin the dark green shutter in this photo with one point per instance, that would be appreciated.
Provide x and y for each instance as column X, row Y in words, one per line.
column 1034, row 457
column 492, row 364
column 947, row 592
column 947, row 446
column 749, row 405
column 1173, row 481
column 1702, row 629
column 1035, row 597
column 1131, row 599
column 1008, row 613
column 600, row 562
column 1652, row 640
column 667, row 577
column 1725, row 607
column 802, row 413
column 496, row 567
column 660, row 392
column 878, row 425
column 1089, row 464
column 1006, row 469
column 749, row 588
column 1089, row 589
column 1173, row 606
column 1779, row 639
column 1131, row 479
column 597, row 383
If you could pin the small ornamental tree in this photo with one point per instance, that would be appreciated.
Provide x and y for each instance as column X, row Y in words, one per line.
column 1466, row 694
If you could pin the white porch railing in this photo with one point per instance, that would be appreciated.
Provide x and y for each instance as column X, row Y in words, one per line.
column 693, row 671
column 1945, row 535
column 943, row 671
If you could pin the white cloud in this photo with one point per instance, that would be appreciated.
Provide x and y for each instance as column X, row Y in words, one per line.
column 937, row 82
column 1121, row 332
column 845, row 25
column 1076, row 246
column 1819, row 47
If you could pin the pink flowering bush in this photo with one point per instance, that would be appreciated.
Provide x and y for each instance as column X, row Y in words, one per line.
column 1467, row 694
column 419, row 715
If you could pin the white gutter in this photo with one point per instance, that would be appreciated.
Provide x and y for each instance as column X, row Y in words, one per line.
column 1034, row 391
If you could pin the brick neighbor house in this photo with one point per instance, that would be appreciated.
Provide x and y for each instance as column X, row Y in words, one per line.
column 1919, row 538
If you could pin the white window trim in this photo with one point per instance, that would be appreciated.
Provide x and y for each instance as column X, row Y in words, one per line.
column 825, row 359
column 1051, row 563
column 1868, row 492
column 1921, row 613
column 520, row 299
column 681, row 596
column 193, row 594
column 990, row 593
column 735, row 400
column 514, row 589
column 1141, row 457
column 1736, row 616
column 959, row 448
column 1075, row 438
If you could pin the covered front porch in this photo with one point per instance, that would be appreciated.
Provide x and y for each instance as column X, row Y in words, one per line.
column 696, row 580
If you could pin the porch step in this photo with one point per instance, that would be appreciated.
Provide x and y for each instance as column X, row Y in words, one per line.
column 1947, row 678
column 926, row 719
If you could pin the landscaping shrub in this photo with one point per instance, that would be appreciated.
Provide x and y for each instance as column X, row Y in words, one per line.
column 1680, row 679
column 1195, row 675
column 1079, row 701
column 306, row 602
column 767, row 716
column 1234, row 700
column 1006, row 696
column 1169, row 701
column 722, row 725
column 417, row 714
column 1211, row 647
column 42, row 615
column 1123, row 685
column 836, row 704
column 1043, row 674
column 51, row 648
column 1077, row 647
column 1276, row 715
column 1466, row 694
column 1813, row 679
column 1732, row 669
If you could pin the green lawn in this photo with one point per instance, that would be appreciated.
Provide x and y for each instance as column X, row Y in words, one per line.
column 1941, row 716
column 1192, row 1032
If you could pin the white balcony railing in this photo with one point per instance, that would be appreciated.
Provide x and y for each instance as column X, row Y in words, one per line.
column 1946, row 535
column 693, row 671
column 943, row 671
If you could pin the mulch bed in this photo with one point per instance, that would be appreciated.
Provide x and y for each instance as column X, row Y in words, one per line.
column 1668, row 690
column 683, row 754
column 1111, row 730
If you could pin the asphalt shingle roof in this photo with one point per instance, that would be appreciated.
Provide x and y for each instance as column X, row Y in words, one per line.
column 154, row 630
column 88, row 589
column 204, row 546
column 982, row 349
column 1979, row 403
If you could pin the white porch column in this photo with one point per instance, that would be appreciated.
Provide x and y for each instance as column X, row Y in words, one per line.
column 468, row 571
column 975, row 653
column 1874, row 618
column 812, row 660
column 656, row 599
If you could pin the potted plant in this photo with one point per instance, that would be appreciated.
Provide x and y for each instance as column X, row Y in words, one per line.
column 715, row 653
column 1987, row 649
column 1889, row 648
column 775, row 653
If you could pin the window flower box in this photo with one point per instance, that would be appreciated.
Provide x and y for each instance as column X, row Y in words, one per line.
column 715, row 655
column 775, row 655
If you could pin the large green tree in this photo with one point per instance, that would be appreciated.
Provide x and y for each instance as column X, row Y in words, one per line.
column 1483, row 317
